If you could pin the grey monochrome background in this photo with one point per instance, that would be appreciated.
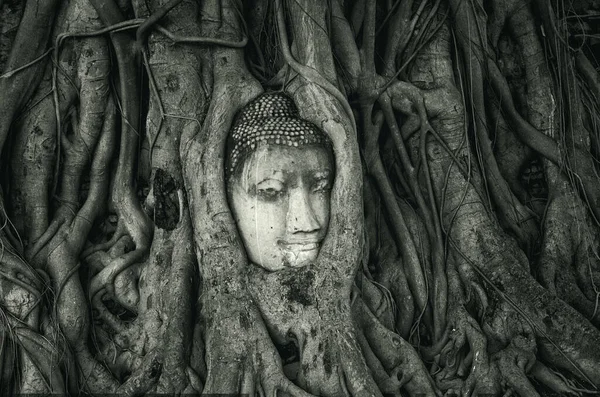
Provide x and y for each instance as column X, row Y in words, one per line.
column 300, row 197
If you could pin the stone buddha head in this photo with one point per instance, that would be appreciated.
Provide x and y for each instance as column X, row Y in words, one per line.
column 280, row 170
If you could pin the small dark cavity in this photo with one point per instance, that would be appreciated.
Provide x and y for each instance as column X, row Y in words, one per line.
column 119, row 311
column 166, row 201
column 245, row 321
column 300, row 287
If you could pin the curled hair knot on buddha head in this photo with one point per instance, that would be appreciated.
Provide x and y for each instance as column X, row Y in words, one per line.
column 272, row 119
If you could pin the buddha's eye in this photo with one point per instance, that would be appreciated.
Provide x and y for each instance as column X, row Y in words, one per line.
column 270, row 189
column 321, row 186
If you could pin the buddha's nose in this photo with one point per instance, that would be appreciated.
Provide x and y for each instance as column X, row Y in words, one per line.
column 301, row 216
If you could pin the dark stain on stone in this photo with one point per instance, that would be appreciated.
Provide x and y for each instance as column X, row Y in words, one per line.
column 166, row 200
column 288, row 352
column 299, row 287
column 327, row 363
column 155, row 369
column 172, row 83
column 88, row 52
column 245, row 320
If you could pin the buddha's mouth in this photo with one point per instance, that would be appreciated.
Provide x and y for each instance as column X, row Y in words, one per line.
column 299, row 246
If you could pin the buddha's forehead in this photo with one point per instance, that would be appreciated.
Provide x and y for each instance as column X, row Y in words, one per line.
column 286, row 161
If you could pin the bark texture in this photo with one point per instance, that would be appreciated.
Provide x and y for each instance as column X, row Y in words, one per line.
column 462, row 255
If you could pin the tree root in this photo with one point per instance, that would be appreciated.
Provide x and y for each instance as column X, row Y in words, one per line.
column 555, row 381
column 127, row 295
column 395, row 355
column 30, row 42
column 514, row 362
column 136, row 223
column 412, row 265
column 466, row 348
column 240, row 356
column 43, row 357
column 62, row 261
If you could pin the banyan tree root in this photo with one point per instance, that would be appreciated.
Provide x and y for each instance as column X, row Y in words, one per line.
column 63, row 263
column 492, row 328
column 132, row 220
column 296, row 310
column 53, row 121
column 478, row 243
column 570, row 233
column 305, row 306
column 166, row 316
column 398, row 358
column 240, row 356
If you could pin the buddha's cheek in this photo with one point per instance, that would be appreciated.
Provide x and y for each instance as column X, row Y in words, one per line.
column 261, row 226
column 269, row 230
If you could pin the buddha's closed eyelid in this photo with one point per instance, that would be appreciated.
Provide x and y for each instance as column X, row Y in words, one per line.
column 269, row 188
column 321, row 185
column 270, row 182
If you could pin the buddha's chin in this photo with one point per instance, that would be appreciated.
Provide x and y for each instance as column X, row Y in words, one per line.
column 300, row 258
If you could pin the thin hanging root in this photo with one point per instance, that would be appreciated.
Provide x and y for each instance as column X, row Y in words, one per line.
column 43, row 356
column 401, row 31
column 404, row 96
column 413, row 270
column 511, row 212
column 309, row 74
column 398, row 93
column 556, row 381
column 547, row 146
column 142, row 32
column 19, row 272
column 137, row 224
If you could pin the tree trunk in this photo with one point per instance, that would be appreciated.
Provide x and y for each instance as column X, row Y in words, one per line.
column 462, row 252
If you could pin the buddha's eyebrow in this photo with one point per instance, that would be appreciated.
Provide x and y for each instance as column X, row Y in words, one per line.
column 277, row 175
column 269, row 178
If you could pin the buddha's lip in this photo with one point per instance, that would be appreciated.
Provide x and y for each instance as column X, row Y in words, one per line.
column 300, row 245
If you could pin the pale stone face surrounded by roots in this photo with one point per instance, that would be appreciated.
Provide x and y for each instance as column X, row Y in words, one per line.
column 280, row 202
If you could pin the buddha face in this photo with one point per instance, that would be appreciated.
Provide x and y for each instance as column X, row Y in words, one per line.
column 280, row 202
